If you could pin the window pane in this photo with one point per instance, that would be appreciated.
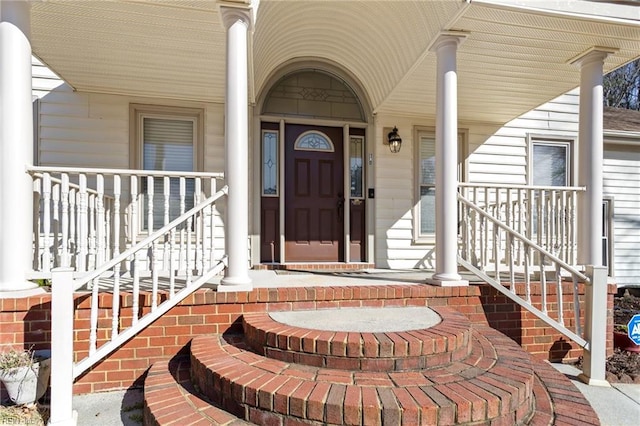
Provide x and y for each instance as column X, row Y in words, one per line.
column 269, row 163
column 167, row 145
column 550, row 164
column 427, row 185
column 427, row 210
column 427, row 161
column 355, row 165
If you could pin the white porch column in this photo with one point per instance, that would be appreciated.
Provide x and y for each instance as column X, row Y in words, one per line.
column 237, row 22
column 590, row 156
column 446, row 273
column 16, row 147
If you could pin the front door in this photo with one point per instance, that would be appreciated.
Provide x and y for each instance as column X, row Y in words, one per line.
column 314, row 194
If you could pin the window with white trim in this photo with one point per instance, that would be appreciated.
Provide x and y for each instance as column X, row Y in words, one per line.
column 167, row 139
column 550, row 162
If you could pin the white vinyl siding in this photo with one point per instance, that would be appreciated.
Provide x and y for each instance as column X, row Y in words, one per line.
column 92, row 130
column 43, row 80
column 622, row 183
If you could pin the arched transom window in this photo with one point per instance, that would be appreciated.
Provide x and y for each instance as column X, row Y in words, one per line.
column 313, row 140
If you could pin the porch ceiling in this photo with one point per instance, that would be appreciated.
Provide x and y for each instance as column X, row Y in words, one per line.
column 513, row 59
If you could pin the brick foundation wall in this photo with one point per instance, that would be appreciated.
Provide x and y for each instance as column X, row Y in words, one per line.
column 26, row 322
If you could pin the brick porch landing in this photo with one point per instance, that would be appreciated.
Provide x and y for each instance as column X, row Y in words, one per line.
column 277, row 374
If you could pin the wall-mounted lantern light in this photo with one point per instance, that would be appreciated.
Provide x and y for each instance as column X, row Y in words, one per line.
column 394, row 140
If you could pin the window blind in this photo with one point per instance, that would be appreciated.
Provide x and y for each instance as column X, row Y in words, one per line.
column 168, row 145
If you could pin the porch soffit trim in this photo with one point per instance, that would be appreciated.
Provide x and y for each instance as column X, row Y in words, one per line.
column 529, row 6
column 451, row 24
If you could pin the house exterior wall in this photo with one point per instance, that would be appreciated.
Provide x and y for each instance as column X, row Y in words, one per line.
column 622, row 184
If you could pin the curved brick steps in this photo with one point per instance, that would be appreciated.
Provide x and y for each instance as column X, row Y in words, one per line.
column 170, row 398
column 282, row 375
column 493, row 385
column 436, row 346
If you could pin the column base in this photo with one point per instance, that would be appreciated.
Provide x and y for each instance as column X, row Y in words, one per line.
column 593, row 382
column 232, row 284
column 447, row 280
column 17, row 291
column 73, row 421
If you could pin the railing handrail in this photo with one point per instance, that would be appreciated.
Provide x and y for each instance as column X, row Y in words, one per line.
column 146, row 241
column 514, row 186
column 524, row 239
column 133, row 172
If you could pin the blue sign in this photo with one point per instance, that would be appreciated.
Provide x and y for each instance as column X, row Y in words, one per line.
column 634, row 329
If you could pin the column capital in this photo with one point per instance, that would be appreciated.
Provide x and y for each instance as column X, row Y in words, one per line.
column 447, row 38
column 593, row 54
column 231, row 13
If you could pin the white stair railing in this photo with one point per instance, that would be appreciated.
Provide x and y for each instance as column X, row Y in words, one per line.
column 83, row 217
column 553, row 273
column 171, row 275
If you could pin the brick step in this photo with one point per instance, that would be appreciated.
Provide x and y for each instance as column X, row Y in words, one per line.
column 171, row 398
column 493, row 385
column 412, row 350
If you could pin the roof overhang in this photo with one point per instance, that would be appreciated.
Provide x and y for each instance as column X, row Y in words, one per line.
column 516, row 56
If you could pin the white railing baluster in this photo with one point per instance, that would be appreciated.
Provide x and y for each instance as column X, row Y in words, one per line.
column 46, row 222
column 93, row 331
column 83, row 226
column 64, row 196
column 576, row 306
column 543, row 284
column 115, row 312
column 212, row 225
column 189, row 254
column 167, row 194
column 37, row 223
column 135, row 196
column 508, row 221
column 149, row 195
column 182, row 257
column 559, row 295
column 167, row 197
column 172, row 262
column 55, row 231
column 527, row 275
column 73, row 227
column 115, row 235
column 100, row 221
column 91, row 262
column 199, row 252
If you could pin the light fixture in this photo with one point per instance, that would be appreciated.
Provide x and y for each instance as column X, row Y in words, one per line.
column 395, row 141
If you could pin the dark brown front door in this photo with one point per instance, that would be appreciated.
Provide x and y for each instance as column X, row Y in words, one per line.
column 314, row 194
